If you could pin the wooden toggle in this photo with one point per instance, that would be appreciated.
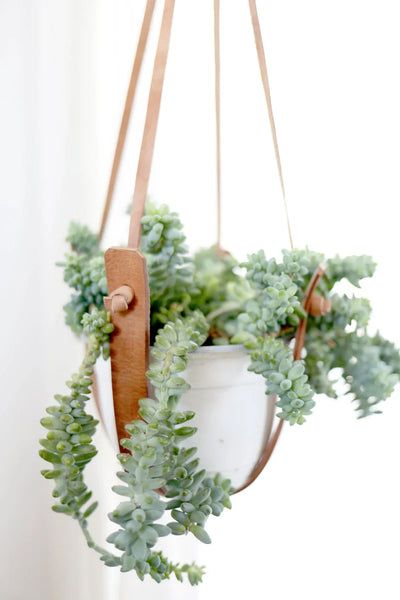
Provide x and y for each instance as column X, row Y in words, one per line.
column 119, row 299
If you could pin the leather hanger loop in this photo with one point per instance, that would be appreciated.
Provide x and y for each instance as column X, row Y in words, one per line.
column 217, row 74
column 267, row 91
column 126, row 115
column 150, row 127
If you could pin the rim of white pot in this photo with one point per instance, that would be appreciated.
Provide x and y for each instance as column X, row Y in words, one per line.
column 209, row 351
column 229, row 349
column 224, row 349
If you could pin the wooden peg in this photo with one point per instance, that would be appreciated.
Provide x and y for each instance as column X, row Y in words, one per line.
column 119, row 299
column 126, row 267
column 319, row 305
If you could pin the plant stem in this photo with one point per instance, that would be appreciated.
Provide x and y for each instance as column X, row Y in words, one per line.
column 224, row 309
column 90, row 542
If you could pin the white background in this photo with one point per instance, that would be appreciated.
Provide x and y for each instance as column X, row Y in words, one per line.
column 323, row 520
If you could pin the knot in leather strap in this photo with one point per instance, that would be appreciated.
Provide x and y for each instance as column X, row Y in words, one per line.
column 319, row 305
column 119, row 299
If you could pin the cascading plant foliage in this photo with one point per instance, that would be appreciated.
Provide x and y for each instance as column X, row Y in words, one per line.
column 207, row 298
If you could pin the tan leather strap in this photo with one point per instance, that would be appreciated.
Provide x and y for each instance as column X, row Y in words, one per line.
column 130, row 96
column 267, row 91
column 150, row 127
column 217, row 63
column 129, row 349
column 307, row 303
column 298, row 347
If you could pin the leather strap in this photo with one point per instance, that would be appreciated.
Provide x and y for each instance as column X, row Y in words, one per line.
column 217, row 63
column 267, row 91
column 150, row 127
column 301, row 329
column 137, row 66
column 130, row 340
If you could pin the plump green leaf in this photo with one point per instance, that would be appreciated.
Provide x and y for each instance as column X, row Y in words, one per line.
column 200, row 533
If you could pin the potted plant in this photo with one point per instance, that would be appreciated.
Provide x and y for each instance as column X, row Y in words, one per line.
column 222, row 337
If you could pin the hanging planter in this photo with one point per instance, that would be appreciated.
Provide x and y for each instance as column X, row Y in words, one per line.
column 205, row 353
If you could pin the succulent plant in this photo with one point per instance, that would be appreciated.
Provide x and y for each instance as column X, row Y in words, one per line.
column 208, row 298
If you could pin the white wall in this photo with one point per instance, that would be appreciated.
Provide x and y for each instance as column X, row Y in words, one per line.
column 322, row 521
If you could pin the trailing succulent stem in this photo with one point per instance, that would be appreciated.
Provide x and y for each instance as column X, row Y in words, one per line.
column 169, row 266
column 284, row 376
column 205, row 299
column 68, row 445
column 157, row 461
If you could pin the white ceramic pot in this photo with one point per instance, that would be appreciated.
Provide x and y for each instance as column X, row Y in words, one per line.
column 234, row 417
